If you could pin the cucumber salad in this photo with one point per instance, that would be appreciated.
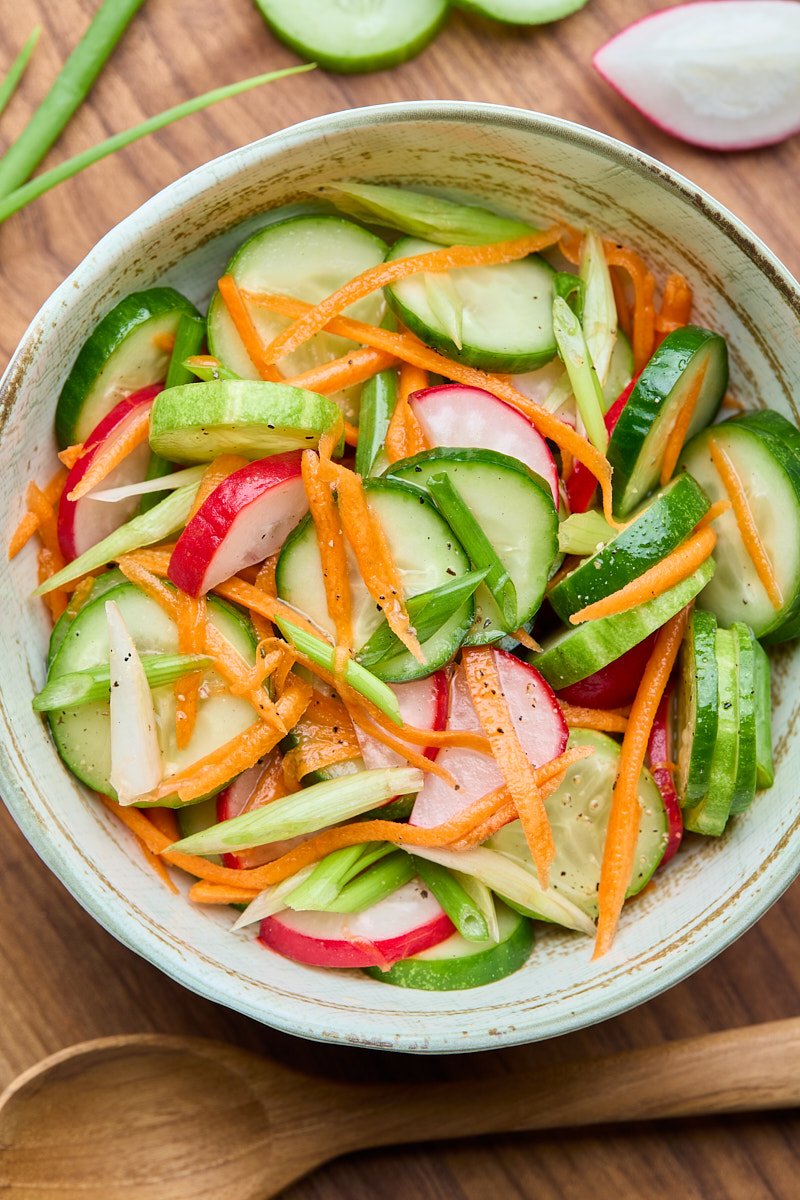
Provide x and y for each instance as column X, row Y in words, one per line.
column 417, row 595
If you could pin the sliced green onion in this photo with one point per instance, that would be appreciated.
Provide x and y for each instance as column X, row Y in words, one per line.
column 570, row 288
column 17, row 69
column 326, row 879
column 306, row 811
column 15, row 200
column 94, row 683
column 189, row 338
column 600, row 309
column 272, row 900
column 583, row 533
column 208, row 371
column 375, row 884
column 168, row 516
column 483, row 898
column 378, row 399
column 446, row 305
column 582, row 375
column 323, row 654
column 459, row 906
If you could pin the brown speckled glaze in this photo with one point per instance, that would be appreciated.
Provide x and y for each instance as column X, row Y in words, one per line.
column 535, row 167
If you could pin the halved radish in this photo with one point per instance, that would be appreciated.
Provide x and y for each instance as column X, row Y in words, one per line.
column 423, row 703
column 721, row 74
column 405, row 923
column 238, row 797
column 452, row 415
column 537, row 719
column 581, row 483
column 614, row 685
column 244, row 520
column 83, row 523
column 659, row 753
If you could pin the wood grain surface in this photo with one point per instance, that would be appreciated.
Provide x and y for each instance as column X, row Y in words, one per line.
column 62, row 978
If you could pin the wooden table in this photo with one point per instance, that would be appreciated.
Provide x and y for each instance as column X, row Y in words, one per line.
column 63, row 978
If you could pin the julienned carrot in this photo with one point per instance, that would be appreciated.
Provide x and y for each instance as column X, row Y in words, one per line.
column 621, row 302
column 508, row 812
column 215, row 473
column 156, row 863
column 716, row 510
column 316, row 755
column 70, row 455
column 748, row 530
column 328, row 526
column 23, row 533
column 240, row 592
column 131, row 433
column 449, row 258
column 673, row 569
column 404, row 436
column 578, row 717
column 356, row 367
column 203, row 892
column 325, row 735
column 680, row 428
column 644, row 315
column 404, row 347
column 622, row 834
column 40, row 509
column 165, row 821
column 192, row 616
column 243, row 323
column 676, row 307
column 486, row 693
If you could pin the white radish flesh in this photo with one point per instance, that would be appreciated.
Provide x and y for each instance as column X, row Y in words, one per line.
column 136, row 763
column 423, row 704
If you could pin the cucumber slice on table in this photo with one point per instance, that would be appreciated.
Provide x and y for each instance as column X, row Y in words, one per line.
column 584, row 649
column 698, row 698
column 764, row 451
column 427, row 555
column 82, row 735
column 351, row 37
column 658, row 529
column 745, row 787
column 199, row 421
column 687, row 358
column 307, row 257
column 513, row 508
column 457, row 963
column 522, row 12
column 579, row 810
column 765, row 770
column 496, row 318
column 129, row 349
column 710, row 815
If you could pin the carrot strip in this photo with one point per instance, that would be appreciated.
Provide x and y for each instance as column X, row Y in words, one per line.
column 748, row 530
column 404, row 436
column 131, row 433
column 623, row 825
column 332, row 551
column 676, row 307
column 677, row 435
column 259, row 602
column 643, row 307
column 673, row 569
column 220, row 893
column 165, row 821
column 157, row 864
column 191, row 620
column 449, row 258
column 486, row 692
column 70, row 455
column 525, row 639
column 233, row 300
column 730, row 401
column 716, row 510
column 621, row 302
column 356, row 367
column 571, row 244
column 23, row 533
column 578, row 717
column 505, row 815
column 215, row 473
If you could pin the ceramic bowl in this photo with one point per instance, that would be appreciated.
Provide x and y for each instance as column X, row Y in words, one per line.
column 535, row 167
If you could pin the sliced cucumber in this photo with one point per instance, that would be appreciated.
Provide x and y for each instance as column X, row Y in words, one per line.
column 637, row 445
column 129, row 349
column 765, row 454
column 581, row 651
column 698, row 698
column 745, row 787
column 82, row 735
column 457, row 963
column 522, row 12
column 651, row 535
column 505, row 312
column 427, row 555
column 710, row 815
column 199, row 421
column 579, row 810
column 514, row 509
column 765, row 769
column 351, row 36
column 102, row 584
column 307, row 257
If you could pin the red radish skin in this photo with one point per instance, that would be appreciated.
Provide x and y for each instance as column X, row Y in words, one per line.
column 423, row 703
column 660, row 750
column 721, row 74
column 244, row 520
column 581, row 484
column 452, row 415
column 538, row 720
column 405, row 923
column 83, row 523
column 613, row 685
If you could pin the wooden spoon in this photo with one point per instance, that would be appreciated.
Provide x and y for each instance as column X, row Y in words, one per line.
column 168, row 1118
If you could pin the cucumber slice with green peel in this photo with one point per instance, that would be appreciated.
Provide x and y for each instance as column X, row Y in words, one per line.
column 505, row 312
column 307, row 257
column 456, row 963
column 710, row 815
column 698, row 699
column 513, row 508
column 199, row 421
column 102, row 584
column 637, row 445
column 579, row 810
column 581, row 651
column 652, row 534
column 765, row 768
column 82, row 735
column 129, row 349
column 765, row 454
column 745, row 787
column 351, row 36
column 427, row 555
column 522, row 12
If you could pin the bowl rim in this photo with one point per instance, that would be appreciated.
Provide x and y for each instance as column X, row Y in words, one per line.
column 711, row 936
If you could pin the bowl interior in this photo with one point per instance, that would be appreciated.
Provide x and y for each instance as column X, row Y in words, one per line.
column 539, row 169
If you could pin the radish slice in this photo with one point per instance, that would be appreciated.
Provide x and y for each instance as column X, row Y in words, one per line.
column 614, row 685
column 136, row 763
column 423, row 703
column 405, row 923
column 452, row 415
column 244, row 520
column 82, row 523
column 538, row 721
column 724, row 74
column 236, row 799
column 660, row 750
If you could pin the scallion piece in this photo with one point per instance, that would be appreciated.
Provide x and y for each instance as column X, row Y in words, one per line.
column 600, row 309
column 189, row 338
column 584, row 533
column 374, row 884
column 207, row 369
column 84, row 687
column 454, row 899
column 326, row 879
column 378, row 398
column 17, row 69
column 582, row 375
